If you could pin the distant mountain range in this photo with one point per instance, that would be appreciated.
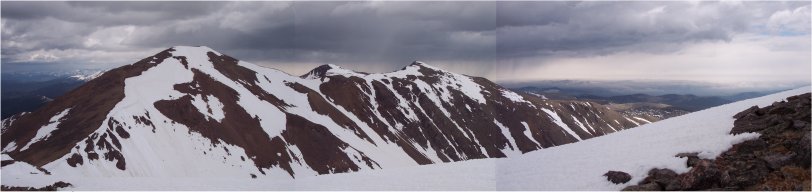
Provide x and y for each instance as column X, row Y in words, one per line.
column 686, row 102
column 649, row 107
column 608, row 88
column 26, row 92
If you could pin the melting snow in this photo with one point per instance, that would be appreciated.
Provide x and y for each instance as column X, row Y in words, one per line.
column 641, row 119
column 46, row 130
column 515, row 97
column 557, row 120
column 510, row 150
column 213, row 104
column 528, row 134
column 10, row 147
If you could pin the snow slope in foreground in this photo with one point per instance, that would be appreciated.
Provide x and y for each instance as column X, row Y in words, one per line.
column 577, row 166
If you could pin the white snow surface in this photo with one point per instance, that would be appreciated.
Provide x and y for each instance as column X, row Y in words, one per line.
column 459, row 82
column 641, row 119
column 213, row 103
column 513, row 96
column 577, row 166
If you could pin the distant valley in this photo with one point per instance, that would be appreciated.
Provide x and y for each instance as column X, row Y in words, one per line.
column 645, row 106
column 28, row 91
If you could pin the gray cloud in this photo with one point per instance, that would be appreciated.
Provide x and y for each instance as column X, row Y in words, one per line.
column 379, row 36
column 108, row 13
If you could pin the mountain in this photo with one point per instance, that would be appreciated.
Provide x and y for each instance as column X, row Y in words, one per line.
column 192, row 111
column 577, row 166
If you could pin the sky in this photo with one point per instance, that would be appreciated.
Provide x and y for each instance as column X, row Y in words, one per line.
column 720, row 42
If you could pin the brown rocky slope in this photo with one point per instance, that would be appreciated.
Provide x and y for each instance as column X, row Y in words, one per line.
column 778, row 160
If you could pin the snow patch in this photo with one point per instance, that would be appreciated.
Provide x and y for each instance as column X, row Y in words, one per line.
column 88, row 77
column 10, row 147
column 515, row 97
column 557, row 120
column 45, row 131
column 512, row 149
column 212, row 108
column 340, row 71
column 641, row 119
column 528, row 134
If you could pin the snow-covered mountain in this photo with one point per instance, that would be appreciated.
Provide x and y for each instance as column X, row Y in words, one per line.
column 578, row 166
column 192, row 112
column 87, row 77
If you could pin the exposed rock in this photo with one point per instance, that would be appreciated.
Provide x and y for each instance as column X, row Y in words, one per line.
column 7, row 162
column 747, row 111
column 693, row 158
column 74, row 160
column 778, row 160
column 52, row 187
column 83, row 119
column 644, row 187
column 617, row 177
column 665, row 178
column 705, row 174
column 790, row 178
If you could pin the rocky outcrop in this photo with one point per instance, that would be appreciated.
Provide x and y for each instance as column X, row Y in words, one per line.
column 617, row 177
column 53, row 187
column 778, row 160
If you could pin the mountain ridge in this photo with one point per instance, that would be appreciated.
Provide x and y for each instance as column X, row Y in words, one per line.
column 220, row 112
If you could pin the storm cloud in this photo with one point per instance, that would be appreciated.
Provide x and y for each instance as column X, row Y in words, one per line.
column 499, row 40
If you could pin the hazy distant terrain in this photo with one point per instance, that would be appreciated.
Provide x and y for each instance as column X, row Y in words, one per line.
column 27, row 91
column 640, row 99
column 655, row 87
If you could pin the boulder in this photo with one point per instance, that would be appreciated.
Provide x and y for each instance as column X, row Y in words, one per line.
column 705, row 174
column 693, row 158
column 777, row 160
column 617, row 177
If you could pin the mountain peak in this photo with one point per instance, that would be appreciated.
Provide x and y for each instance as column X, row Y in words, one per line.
column 187, row 50
column 193, row 47
column 423, row 64
column 422, row 67
column 319, row 72
column 328, row 70
column 417, row 63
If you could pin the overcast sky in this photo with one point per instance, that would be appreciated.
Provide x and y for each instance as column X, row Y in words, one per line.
column 727, row 42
